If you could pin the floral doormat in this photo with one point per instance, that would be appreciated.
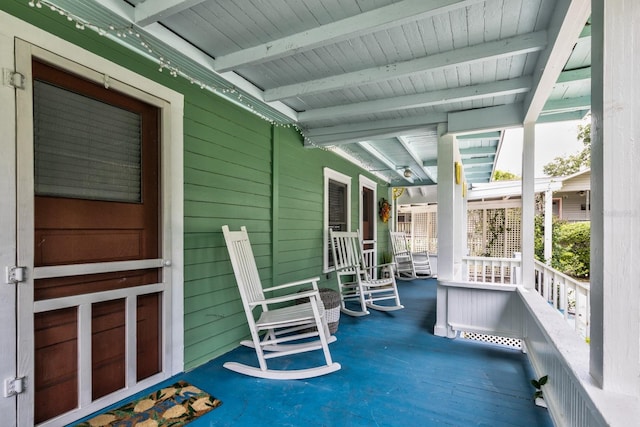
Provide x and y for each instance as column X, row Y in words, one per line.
column 172, row 406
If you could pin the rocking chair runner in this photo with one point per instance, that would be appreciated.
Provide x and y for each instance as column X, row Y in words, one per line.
column 356, row 283
column 290, row 329
column 408, row 265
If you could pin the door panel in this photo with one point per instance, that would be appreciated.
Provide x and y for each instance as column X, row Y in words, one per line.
column 56, row 374
column 82, row 217
column 108, row 347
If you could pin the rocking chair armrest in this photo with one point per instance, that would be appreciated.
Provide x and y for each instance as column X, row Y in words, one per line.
column 348, row 267
column 289, row 297
column 314, row 282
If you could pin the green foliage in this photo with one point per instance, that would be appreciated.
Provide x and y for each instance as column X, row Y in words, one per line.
column 495, row 232
column 538, row 385
column 499, row 175
column 571, row 249
column 570, row 246
column 562, row 166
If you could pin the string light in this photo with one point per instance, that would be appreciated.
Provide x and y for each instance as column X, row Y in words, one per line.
column 164, row 64
column 175, row 71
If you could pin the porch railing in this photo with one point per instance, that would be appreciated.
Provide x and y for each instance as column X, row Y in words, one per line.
column 491, row 270
column 566, row 294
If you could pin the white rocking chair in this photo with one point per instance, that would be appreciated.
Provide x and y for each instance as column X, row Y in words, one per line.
column 356, row 280
column 408, row 265
column 290, row 329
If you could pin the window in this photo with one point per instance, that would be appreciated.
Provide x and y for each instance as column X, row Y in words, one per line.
column 337, row 209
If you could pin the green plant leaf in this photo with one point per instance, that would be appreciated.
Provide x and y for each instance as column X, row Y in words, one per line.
column 542, row 381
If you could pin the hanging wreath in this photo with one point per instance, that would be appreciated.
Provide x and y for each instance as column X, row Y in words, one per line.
column 385, row 210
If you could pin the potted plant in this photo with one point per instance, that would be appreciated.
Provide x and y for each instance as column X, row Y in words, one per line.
column 538, row 397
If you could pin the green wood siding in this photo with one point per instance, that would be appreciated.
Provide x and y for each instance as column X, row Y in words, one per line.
column 230, row 156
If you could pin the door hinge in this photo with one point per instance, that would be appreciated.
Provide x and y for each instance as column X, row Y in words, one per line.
column 15, row 274
column 13, row 386
column 12, row 78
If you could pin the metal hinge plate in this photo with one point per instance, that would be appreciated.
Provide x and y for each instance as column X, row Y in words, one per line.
column 13, row 386
column 12, row 78
column 14, row 274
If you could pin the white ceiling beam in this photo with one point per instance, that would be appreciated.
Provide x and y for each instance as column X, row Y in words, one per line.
column 518, row 45
column 477, row 150
column 576, row 75
column 416, row 158
column 152, row 11
column 485, row 119
column 384, row 159
column 355, row 132
column 364, row 23
column 479, row 161
column 567, row 104
column 438, row 97
column 562, row 117
column 567, row 23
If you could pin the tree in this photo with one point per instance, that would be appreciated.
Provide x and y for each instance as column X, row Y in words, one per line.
column 562, row 166
column 499, row 175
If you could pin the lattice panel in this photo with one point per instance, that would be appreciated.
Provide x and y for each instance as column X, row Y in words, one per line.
column 513, row 225
column 507, row 229
column 475, row 236
column 493, row 339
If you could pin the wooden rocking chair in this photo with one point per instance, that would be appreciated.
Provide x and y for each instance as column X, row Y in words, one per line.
column 291, row 329
column 356, row 281
column 408, row 265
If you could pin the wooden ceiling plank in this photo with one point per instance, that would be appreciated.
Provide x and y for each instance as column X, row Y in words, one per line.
column 149, row 12
column 438, row 97
column 375, row 20
column 518, row 45
column 378, row 155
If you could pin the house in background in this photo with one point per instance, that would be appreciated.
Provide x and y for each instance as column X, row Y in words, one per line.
column 572, row 202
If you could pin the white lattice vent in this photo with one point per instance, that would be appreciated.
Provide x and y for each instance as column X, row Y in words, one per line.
column 508, row 342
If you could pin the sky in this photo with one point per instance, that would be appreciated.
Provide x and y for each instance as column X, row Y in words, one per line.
column 552, row 140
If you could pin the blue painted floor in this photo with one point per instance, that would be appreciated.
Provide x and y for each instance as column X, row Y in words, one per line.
column 395, row 372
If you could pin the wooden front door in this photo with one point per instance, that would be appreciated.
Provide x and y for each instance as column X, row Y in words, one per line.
column 96, row 262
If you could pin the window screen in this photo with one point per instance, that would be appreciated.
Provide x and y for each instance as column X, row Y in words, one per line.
column 337, row 206
column 85, row 148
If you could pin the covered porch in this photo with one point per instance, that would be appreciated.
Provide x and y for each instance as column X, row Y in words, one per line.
column 242, row 142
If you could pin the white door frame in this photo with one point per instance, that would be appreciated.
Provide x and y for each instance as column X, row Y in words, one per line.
column 7, row 227
column 171, row 104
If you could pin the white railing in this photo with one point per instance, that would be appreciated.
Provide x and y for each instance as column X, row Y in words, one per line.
column 491, row 270
column 567, row 295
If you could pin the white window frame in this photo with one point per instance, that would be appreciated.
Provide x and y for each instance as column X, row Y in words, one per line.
column 332, row 175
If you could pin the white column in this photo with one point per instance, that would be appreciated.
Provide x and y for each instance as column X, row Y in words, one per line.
column 548, row 224
column 615, row 199
column 528, row 203
column 446, row 224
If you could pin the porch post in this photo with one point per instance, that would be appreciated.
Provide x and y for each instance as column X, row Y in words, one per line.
column 446, row 223
column 615, row 201
column 548, row 224
column 528, row 203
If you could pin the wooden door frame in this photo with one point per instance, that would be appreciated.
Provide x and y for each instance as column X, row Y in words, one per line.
column 32, row 42
column 364, row 182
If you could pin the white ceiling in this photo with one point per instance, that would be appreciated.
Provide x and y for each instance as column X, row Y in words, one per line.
column 375, row 78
